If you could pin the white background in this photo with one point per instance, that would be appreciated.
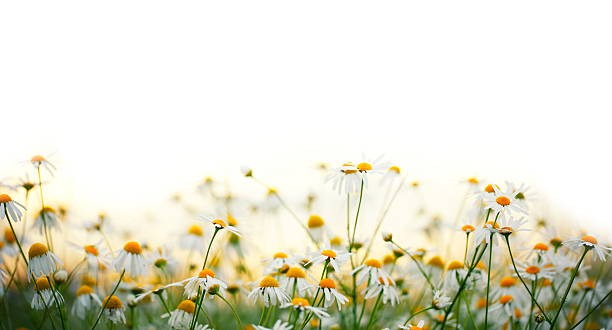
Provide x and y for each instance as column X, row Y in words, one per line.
column 139, row 99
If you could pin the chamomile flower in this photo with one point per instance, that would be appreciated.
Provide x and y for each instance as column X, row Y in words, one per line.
column 383, row 286
column 46, row 217
column 392, row 173
column 507, row 303
column 269, row 292
column 220, row 224
column 509, row 224
column 114, row 309
column 455, row 272
column 483, row 234
column 193, row 239
column 440, row 300
column 86, row 300
column 181, row 317
column 328, row 287
column 295, row 277
column 95, row 254
column 345, row 178
column 409, row 326
column 279, row 325
column 162, row 259
column 536, row 269
column 370, row 270
column 11, row 208
column 301, row 305
column 9, row 246
column 205, row 281
column 42, row 261
column 333, row 257
column 509, row 285
column 503, row 201
column 373, row 165
column 131, row 260
column 278, row 261
column 317, row 228
column 45, row 296
column 589, row 242
column 39, row 161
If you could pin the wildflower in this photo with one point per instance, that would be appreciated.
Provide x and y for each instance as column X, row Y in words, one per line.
column 508, row 285
column 537, row 270
column 47, row 216
column 193, row 239
column 269, row 292
column 455, row 272
column 39, row 161
column 344, row 178
column 295, row 276
column 509, row 224
column 13, row 208
column 393, row 172
column 204, row 282
column 114, row 309
column 301, row 304
column 162, row 259
column 45, row 296
column 60, row 276
column 181, row 317
column 371, row 269
column 384, row 286
column 334, row 257
column 508, row 304
column 279, row 325
column 220, row 224
column 317, row 228
column 86, row 299
column 409, row 326
column 42, row 261
column 503, row 201
column 439, row 300
column 486, row 233
column 373, row 165
column 328, row 286
column 589, row 242
column 278, row 260
column 131, row 260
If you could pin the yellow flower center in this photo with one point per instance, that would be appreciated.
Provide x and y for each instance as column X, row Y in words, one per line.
column 335, row 241
column 503, row 200
column 84, row 289
column 186, row 306
column 300, row 302
column 492, row 224
column 36, row 250
column 455, row 265
column 327, row 283
column 532, row 270
column 328, row 253
column 589, row 238
column 505, row 299
column 37, row 158
column 468, row 228
column 481, row 303
column 8, row 236
column 91, row 249
column 414, row 327
column 436, row 261
column 231, row 220
column 195, row 230
column 363, row 167
column 206, row 272
column 42, row 284
column 489, row 188
column 388, row 259
column 473, row 180
column 541, row 247
column 517, row 313
column 507, row 282
column 394, row 169
column 373, row 263
column 280, row 255
column 296, row 272
column 315, row 221
column 219, row 223
column 88, row 280
column 112, row 302
column 348, row 171
column 132, row 247
column 268, row 282
column 4, row 198
column 588, row 284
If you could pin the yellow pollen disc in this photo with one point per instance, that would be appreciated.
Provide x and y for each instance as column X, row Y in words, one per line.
column 532, row 270
column 195, row 230
column 231, row 220
column 436, row 262
column 335, row 241
column 88, row 280
column 4, row 198
column 517, row 313
column 8, row 236
column 219, row 223
column 348, row 171
column 373, row 263
column 394, row 169
column 480, row 265
column 91, row 249
column 546, row 282
column 327, row 283
column 280, row 255
column 414, row 327
column 206, row 272
column 300, row 302
column 388, row 259
column 315, row 221
column 468, row 228
column 47, row 209
column 84, row 289
column 36, row 250
column 492, row 224
column 37, row 158
column 268, row 282
column 507, row 229
column 328, row 253
column 589, row 239
column 507, row 282
column 455, row 265
column 187, row 306
column 472, row 180
column 112, row 302
column 489, row 188
column 541, row 247
column 481, row 303
column 42, row 284
column 505, row 299
column 385, row 281
column 1, row 244
column 295, row 272
column 588, row 284
column 364, row 167
column 503, row 200
column 132, row 247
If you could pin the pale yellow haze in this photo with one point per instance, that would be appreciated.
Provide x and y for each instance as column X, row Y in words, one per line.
column 135, row 100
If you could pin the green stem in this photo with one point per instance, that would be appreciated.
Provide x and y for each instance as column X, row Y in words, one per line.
column 417, row 313
column 106, row 300
column 569, row 287
column 356, row 216
column 418, row 264
column 43, row 212
column 592, row 310
column 488, row 280
column 374, row 310
column 236, row 317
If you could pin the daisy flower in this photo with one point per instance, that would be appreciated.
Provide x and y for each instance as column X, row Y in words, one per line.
column 39, row 161
column 344, row 178
column 370, row 270
column 509, row 224
column 162, row 259
column 509, row 285
column 439, row 300
column 393, row 172
column 181, row 317
column 42, row 261
column 483, row 234
column 455, row 272
column 522, row 194
column 316, row 226
column 507, row 303
column 383, row 286
column 86, row 299
column 503, row 201
column 203, row 283
column 131, row 260
column 114, row 309
column 373, row 166
column 46, row 217
column 9, row 207
column 278, row 260
column 537, row 270
column 301, row 305
column 220, row 224
column 279, row 325
column 328, row 287
column 333, row 257
column 193, row 239
column 269, row 292
column 9, row 245
column 295, row 277
column 95, row 255
column 409, row 326
column 589, row 242
column 45, row 296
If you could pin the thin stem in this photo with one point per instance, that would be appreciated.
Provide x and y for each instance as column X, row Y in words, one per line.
column 106, row 300
column 57, row 302
column 488, row 280
column 374, row 309
column 238, row 321
column 417, row 313
column 592, row 310
column 421, row 270
column 16, row 238
column 357, row 216
column 163, row 302
column 569, row 287
column 43, row 211
column 201, row 297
